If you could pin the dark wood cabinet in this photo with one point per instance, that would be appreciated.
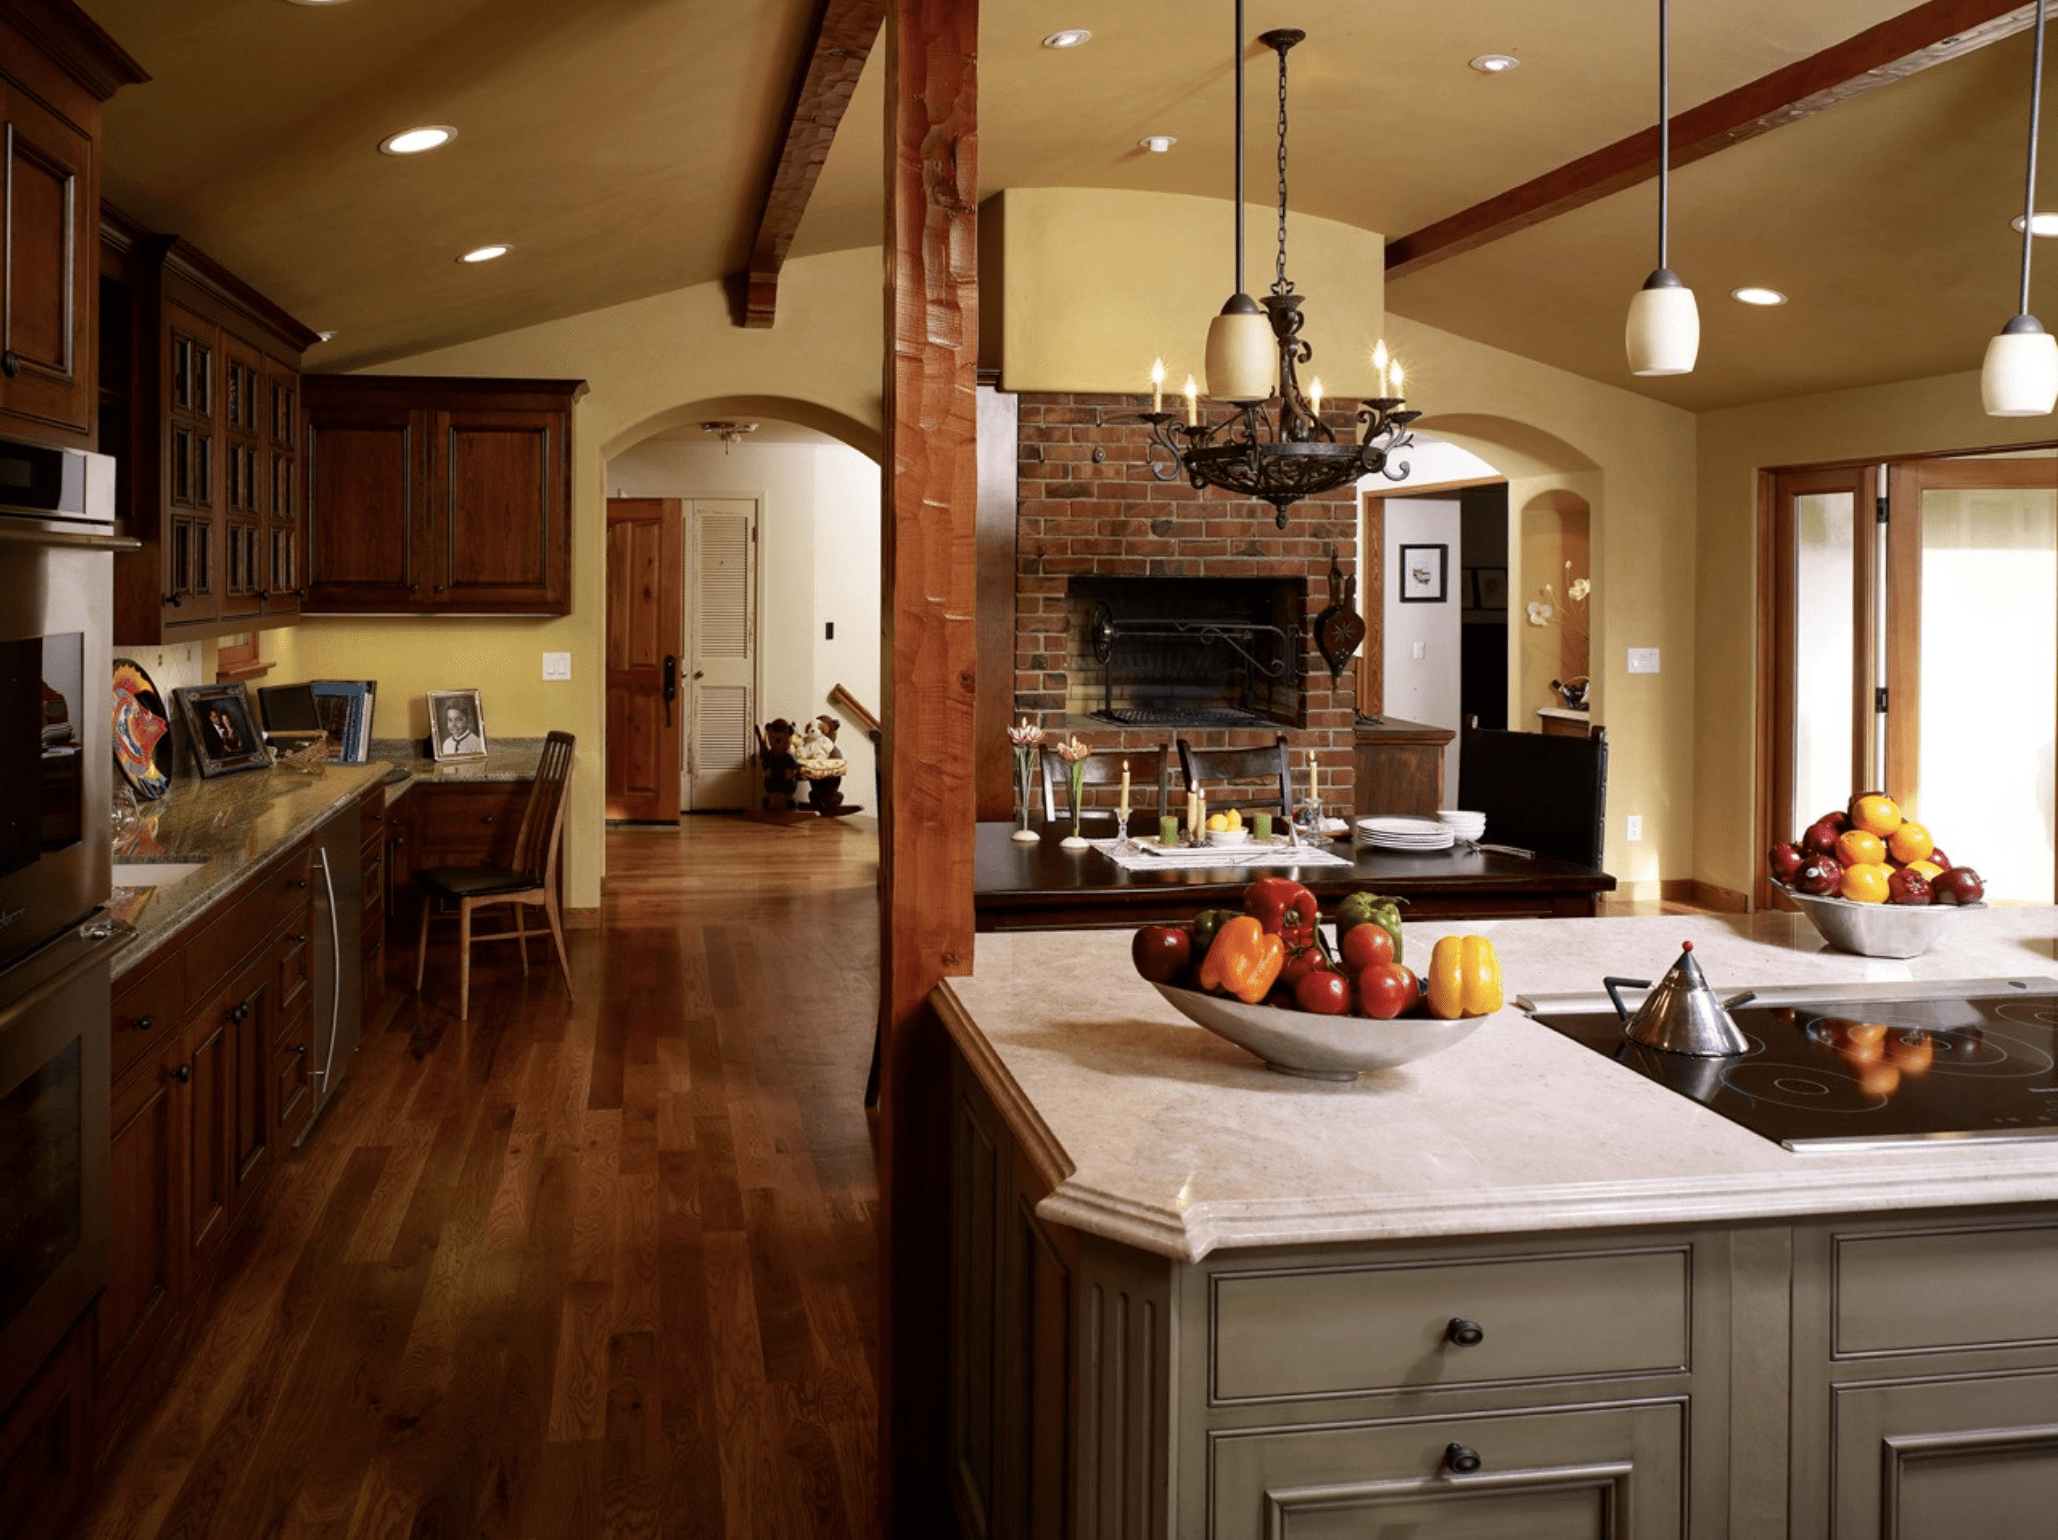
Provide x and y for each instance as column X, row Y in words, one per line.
column 438, row 495
column 56, row 68
column 201, row 407
column 376, row 831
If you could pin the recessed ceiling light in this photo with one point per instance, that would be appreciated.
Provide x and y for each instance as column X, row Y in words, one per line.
column 1071, row 37
column 2042, row 224
column 316, row 2
column 413, row 141
column 319, row 336
column 1754, row 294
column 1494, row 63
column 1157, row 144
column 484, row 253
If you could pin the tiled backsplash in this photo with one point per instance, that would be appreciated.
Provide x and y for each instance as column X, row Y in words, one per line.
column 1087, row 503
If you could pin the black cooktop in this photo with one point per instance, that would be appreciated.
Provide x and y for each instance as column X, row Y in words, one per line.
column 1827, row 1072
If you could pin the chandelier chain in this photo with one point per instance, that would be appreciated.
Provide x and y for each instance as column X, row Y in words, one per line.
column 1280, row 282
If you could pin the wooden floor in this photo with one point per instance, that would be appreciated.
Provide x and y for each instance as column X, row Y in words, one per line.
column 605, row 1268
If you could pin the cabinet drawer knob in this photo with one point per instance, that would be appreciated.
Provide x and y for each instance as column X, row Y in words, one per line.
column 144, row 1023
column 486, row 818
column 300, row 937
column 241, row 1012
column 301, row 883
column 1464, row 1333
column 183, row 1074
column 1460, row 1460
column 300, row 1050
column 10, row 363
column 439, row 588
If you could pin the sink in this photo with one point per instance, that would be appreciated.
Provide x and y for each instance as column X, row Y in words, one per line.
column 154, row 874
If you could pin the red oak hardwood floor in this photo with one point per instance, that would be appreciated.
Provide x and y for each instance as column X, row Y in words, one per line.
column 605, row 1268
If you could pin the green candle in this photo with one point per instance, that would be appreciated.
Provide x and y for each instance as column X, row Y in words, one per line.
column 1168, row 831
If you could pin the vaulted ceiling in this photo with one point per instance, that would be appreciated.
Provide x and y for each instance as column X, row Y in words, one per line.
column 625, row 147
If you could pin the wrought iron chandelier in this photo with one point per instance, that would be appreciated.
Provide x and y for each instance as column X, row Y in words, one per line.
column 1290, row 453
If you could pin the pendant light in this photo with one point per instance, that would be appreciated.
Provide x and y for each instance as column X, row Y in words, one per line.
column 2020, row 375
column 1664, row 331
column 1240, row 357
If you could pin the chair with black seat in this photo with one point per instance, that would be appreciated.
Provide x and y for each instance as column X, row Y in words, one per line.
column 1249, row 780
column 1150, row 771
column 528, row 882
column 1540, row 792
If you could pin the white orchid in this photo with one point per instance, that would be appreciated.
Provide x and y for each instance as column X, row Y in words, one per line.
column 1539, row 612
column 1025, row 735
column 1571, row 614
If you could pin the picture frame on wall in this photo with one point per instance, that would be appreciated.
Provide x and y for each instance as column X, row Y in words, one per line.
column 1425, row 574
column 221, row 728
column 1493, row 588
column 457, row 725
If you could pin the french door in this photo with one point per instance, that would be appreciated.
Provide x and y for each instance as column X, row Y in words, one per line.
column 1912, row 637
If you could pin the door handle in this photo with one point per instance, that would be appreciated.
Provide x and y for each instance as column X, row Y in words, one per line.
column 671, row 688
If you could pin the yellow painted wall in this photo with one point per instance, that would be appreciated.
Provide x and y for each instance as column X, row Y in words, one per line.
column 1934, row 415
column 1632, row 460
column 650, row 365
column 1082, row 287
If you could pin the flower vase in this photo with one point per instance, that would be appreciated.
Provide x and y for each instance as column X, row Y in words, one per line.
column 1024, row 835
column 1074, row 841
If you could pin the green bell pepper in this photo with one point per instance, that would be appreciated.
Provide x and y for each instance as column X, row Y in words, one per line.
column 1370, row 909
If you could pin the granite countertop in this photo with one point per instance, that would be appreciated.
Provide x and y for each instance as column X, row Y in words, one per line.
column 1155, row 1133
column 509, row 759
column 229, row 827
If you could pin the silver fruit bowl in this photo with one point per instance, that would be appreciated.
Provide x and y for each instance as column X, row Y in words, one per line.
column 1318, row 1047
column 1877, row 930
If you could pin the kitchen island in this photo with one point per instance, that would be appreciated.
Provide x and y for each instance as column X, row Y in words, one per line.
column 1512, row 1285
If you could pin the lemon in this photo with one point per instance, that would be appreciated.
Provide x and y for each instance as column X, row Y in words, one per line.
column 1876, row 813
column 1860, row 847
column 1217, row 822
column 1235, row 818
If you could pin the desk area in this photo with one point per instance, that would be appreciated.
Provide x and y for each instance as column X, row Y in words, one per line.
column 1041, row 886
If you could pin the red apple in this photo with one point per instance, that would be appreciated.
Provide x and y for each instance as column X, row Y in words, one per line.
column 1907, row 887
column 1939, row 860
column 1784, row 859
column 1160, row 951
column 1821, row 835
column 1959, row 885
column 1819, row 875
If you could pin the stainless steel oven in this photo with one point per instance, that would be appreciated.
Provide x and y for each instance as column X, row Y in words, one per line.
column 56, row 779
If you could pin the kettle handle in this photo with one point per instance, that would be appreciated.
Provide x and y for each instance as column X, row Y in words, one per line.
column 1743, row 999
column 1611, row 984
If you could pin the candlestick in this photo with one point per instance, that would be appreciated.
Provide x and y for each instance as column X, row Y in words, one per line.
column 1157, row 385
column 1192, row 403
column 1122, row 806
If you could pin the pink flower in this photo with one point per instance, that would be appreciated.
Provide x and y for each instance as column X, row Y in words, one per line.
column 1023, row 736
column 1073, row 751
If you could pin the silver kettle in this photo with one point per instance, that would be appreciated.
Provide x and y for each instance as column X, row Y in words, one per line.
column 1682, row 1014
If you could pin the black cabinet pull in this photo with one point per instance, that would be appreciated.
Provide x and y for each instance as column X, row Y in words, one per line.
column 10, row 363
column 301, row 938
column 145, row 1023
column 1464, row 1333
column 439, row 588
column 183, row 1073
column 173, row 601
column 301, row 883
column 241, row 1013
column 486, row 818
column 300, row 1050
column 1459, row 1459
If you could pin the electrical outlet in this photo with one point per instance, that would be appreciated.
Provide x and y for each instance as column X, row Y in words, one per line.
column 1643, row 660
column 1634, row 831
column 557, row 665
column 1421, row 650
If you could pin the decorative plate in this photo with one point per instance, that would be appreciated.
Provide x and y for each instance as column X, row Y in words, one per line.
column 142, row 732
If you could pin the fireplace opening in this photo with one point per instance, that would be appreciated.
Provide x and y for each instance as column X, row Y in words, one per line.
column 1188, row 652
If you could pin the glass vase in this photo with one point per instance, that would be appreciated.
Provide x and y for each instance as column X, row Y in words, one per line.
column 1024, row 835
column 1074, row 840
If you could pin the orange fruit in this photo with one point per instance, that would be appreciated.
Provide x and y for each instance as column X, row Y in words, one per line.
column 1861, row 847
column 1910, row 843
column 1928, row 869
column 1865, row 883
column 1876, row 813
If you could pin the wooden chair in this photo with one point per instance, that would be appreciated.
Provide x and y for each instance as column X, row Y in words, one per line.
column 1245, row 779
column 530, row 881
column 1150, row 780
column 1540, row 792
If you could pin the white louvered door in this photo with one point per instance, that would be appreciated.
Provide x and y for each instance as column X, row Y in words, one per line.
column 721, row 695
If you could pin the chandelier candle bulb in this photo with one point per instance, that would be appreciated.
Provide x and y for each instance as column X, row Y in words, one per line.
column 1157, row 385
column 1397, row 391
column 1315, row 396
column 1379, row 361
column 1192, row 403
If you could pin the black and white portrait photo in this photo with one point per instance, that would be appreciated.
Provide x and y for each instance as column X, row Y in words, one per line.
column 457, row 725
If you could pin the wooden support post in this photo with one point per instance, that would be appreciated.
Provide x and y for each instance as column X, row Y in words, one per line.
column 927, row 815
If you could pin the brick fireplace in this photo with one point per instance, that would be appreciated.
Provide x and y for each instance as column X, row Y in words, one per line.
column 1089, row 509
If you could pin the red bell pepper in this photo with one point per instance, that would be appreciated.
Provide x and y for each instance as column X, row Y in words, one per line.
column 1284, row 908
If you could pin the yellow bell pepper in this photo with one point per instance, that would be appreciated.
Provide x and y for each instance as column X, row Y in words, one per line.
column 1243, row 961
column 1464, row 978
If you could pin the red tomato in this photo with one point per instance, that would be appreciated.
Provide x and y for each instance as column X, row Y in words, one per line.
column 1160, row 951
column 1364, row 945
column 1387, row 990
column 1323, row 993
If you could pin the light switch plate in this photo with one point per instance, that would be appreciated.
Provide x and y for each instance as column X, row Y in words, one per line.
column 1421, row 649
column 1633, row 830
column 557, row 665
column 1643, row 660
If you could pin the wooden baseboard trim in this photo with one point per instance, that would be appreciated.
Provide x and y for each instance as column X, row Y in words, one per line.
column 1703, row 895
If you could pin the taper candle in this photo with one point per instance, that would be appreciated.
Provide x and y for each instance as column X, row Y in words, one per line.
column 1122, row 807
column 1192, row 403
column 1157, row 385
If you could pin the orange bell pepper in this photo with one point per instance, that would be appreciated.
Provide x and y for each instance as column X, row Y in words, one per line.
column 1244, row 961
column 1464, row 978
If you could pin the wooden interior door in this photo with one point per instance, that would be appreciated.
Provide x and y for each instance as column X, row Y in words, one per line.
column 721, row 689
column 646, row 578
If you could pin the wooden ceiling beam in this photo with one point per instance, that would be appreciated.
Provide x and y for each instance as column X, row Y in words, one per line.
column 1904, row 45
column 843, row 35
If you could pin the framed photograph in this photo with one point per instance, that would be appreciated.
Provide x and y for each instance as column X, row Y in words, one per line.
column 1425, row 574
column 222, row 728
column 344, row 707
column 457, row 725
column 1493, row 588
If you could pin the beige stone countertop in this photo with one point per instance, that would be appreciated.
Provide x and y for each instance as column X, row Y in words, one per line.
column 512, row 759
column 1158, row 1134
column 231, row 826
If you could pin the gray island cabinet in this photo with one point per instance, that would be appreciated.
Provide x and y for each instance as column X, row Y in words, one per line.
column 1510, row 1290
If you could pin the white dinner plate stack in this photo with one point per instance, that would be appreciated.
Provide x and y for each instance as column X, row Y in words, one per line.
column 1392, row 833
column 1466, row 826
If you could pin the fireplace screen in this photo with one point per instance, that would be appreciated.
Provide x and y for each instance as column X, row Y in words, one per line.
column 1195, row 652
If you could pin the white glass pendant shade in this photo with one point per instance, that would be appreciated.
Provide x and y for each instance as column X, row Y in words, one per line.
column 2020, row 375
column 1242, row 357
column 1664, row 331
